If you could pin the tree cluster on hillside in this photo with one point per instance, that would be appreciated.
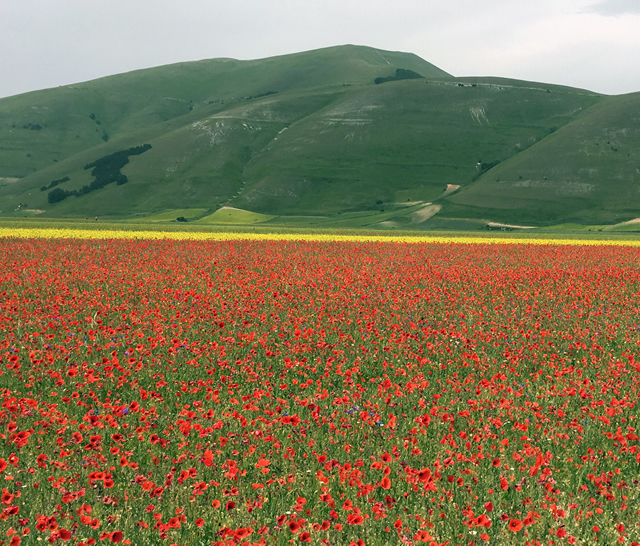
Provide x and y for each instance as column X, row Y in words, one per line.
column 401, row 74
column 266, row 94
column 54, row 183
column 105, row 171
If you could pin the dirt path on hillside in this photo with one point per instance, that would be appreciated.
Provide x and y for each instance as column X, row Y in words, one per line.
column 423, row 214
column 499, row 225
column 450, row 189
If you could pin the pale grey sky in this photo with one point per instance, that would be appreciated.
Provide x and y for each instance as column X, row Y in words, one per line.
column 593, row 44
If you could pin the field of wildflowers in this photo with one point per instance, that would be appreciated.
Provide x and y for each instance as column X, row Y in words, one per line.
column 327, row 392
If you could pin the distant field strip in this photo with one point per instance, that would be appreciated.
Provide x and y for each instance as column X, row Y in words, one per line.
column 28, row 233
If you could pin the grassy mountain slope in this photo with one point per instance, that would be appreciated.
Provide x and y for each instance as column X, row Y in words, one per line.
column 317, row 151
column 310, row 135
column 39, row 128
column 400, row 141
column 195, row 160
column 587, row 172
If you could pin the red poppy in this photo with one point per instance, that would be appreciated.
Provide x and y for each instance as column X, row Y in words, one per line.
column 243, row 532
column 515, row 525
column 207, row 459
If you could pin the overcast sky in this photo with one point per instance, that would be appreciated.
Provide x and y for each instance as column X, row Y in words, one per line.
column 593, row 44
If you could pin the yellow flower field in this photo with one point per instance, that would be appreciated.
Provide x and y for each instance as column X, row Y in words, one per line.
column 36, row 233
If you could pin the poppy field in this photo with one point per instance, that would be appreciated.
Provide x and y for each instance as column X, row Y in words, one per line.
column 282, row 392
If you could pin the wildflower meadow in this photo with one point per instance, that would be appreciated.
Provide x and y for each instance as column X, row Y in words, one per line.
column 352, row 392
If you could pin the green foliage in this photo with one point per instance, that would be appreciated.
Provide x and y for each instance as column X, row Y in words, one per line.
column 56, row 195
column 266, row 94
column 54, row 183
column 105, row 171
column 401, row 74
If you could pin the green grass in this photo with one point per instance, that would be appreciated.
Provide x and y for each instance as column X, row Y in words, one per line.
column 574, row 227
column 624, row 226
column 172, row 215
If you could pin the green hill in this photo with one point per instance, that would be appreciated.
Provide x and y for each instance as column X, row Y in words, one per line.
column 312, row 135
column 41, row 127
column 586, row 172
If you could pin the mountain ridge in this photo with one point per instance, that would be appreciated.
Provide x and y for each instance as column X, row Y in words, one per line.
column 311, row 134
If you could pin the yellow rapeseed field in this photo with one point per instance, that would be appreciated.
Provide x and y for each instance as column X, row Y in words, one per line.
column 36, row 233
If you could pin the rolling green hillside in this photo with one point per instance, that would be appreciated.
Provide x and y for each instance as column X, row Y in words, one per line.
column 400, row 141
column 311, row 135
column 41, row 127
column 586, row 172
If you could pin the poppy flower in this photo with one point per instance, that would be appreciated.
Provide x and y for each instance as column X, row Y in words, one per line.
column 207, row 459
column 515, row 525
column 243, row 532
column 422, row 536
